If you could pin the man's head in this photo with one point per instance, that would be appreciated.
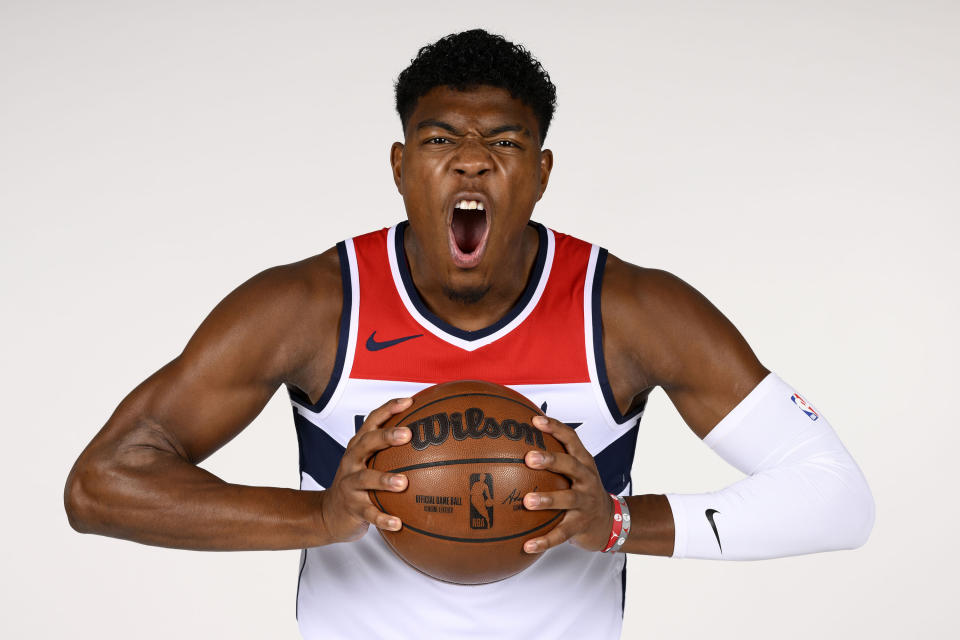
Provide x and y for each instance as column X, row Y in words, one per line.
column 475, row 110
column 466, row 60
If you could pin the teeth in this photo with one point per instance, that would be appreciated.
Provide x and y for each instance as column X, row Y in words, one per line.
column 470, row 204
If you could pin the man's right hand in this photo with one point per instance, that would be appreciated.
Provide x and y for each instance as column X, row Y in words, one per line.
column 347, row 510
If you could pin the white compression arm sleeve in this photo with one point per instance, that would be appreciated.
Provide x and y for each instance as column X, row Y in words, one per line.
column 804, row 492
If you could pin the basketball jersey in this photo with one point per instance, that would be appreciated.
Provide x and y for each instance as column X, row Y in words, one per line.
column 548, row 347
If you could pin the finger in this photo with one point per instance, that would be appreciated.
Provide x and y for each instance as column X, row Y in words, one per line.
column 381, row 414
column 381, row 520
column 562, row 463
column 371, row 479
column 552, row 500
column 363, row 447
column 564, row 433
column 557, row 535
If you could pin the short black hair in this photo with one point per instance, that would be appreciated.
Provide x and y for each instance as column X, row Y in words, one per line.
column 469, row 59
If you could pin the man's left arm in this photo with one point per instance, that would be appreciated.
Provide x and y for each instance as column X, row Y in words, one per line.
column 803, row 492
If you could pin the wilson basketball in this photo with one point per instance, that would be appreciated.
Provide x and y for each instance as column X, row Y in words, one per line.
column 462, row 512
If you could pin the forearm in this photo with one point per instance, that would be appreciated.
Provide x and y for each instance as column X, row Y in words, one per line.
column 651, row 531
column 803, row 492
column 155, row 497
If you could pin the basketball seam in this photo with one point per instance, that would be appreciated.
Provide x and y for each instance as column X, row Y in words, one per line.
column 498, row 539
column 442, row 463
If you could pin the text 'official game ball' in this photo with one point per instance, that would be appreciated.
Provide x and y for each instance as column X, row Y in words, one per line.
column 462, row 512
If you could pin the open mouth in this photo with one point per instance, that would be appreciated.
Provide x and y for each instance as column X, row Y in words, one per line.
column 468, row 231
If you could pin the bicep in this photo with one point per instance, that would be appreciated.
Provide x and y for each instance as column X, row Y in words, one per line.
column 716, row 368
column 706, row 396
column 231, row 367
column 181, row 410
column 686, row 346
column 198, row 403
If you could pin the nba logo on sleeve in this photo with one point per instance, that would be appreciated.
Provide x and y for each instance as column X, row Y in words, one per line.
column 804, row 406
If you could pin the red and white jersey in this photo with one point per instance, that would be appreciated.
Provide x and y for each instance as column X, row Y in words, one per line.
column 549, row 348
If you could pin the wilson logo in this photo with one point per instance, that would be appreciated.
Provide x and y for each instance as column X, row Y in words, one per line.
column 437, row 429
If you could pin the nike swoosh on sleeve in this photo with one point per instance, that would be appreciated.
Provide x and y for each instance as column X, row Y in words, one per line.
column 709, row 513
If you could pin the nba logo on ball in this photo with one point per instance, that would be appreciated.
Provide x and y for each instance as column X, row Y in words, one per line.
column 481, row 501
column 804, row 406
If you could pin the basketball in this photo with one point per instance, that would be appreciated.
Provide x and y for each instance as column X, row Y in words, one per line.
column 462, row 512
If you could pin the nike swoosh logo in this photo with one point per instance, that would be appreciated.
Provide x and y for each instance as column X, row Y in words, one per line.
column 713, row 524
column 374, row 345
column 572, row 425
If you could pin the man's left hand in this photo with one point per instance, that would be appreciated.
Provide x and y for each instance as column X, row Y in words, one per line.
column 589, row 509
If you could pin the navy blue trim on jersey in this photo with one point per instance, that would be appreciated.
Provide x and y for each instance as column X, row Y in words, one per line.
column 303, row 563
column 623, row 587
column 598, row 346
column 344, row 336
column 296, row 415
column 404, row 267
column 320, row 454
column 615, row 461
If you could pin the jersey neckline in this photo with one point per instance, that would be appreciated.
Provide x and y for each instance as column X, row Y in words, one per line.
column 461, row 337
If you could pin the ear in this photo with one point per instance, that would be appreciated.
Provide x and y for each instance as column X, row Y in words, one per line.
column 546, row 165
column 396, row 162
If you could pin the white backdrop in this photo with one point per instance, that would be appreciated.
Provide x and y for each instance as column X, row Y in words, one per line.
column 795, row 161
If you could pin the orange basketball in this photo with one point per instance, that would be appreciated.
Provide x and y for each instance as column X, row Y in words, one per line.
column 462, row 512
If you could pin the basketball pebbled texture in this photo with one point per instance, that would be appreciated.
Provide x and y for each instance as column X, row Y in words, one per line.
column 462, row 512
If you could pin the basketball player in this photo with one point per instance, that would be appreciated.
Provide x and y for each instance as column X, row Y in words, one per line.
column 468, row 287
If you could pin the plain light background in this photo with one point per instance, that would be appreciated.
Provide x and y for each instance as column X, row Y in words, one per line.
column 797, row 162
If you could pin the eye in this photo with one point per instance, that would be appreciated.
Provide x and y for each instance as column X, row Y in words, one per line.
column 437, row 140
column 506, row 143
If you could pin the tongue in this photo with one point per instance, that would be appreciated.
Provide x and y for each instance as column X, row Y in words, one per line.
column 468, row 227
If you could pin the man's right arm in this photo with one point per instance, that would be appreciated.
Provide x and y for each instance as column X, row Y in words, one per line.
column 138, row 479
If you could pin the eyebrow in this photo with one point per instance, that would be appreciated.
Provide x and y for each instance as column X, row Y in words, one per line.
column 509, row 127
column 423, row 124
column 446, row 126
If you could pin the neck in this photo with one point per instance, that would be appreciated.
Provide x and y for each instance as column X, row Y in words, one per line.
column 491, row 293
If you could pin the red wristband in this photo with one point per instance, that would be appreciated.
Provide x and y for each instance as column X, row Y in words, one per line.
column 617, row 525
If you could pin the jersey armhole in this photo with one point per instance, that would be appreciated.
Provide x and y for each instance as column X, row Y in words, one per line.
column 593, row 320
column 348, row 283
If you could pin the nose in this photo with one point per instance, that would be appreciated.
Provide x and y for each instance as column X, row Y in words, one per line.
column 472, row 159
